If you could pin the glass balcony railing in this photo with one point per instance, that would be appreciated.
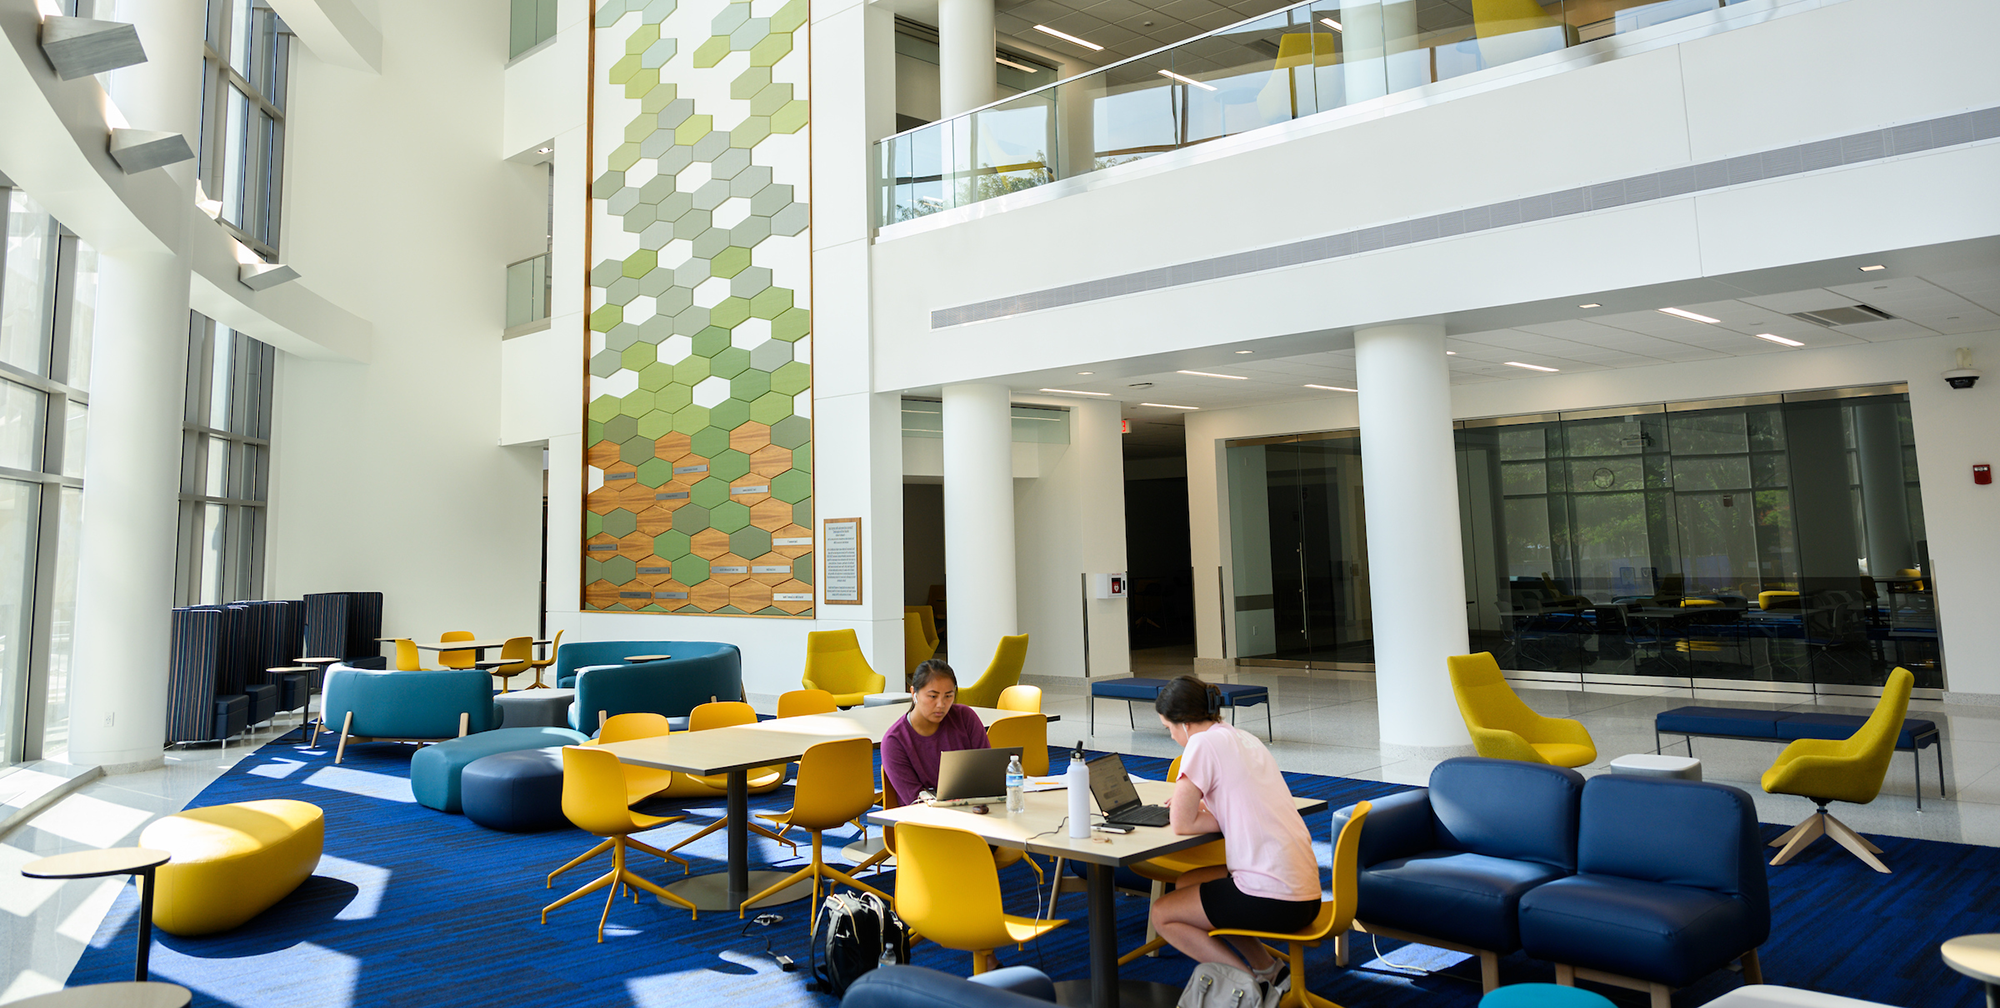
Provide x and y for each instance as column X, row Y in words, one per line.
column 528, row 291
column 1311, row 57
column 529, row 24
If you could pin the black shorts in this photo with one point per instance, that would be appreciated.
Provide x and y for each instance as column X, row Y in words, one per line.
column 1230, row 907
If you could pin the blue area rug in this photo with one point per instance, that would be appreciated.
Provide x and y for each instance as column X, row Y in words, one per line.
column 411, row 906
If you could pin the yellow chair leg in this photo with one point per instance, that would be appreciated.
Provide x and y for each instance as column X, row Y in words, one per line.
column 1144, row 950
column 663, row 855
column 602, row 846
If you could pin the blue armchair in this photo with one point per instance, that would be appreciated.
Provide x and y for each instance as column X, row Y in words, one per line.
column 1448, row 865
column 371, row 705
column 697, row 672
column 1669, row 887
column 917, row 987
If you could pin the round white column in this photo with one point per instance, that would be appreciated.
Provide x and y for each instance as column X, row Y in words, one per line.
column 131, row 476
column 965, row 55
column 978, row 523
column 1416, row 570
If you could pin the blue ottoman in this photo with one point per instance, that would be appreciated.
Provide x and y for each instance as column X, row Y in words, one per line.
column 520, row 792
column 435, row 769
column 1541, row 995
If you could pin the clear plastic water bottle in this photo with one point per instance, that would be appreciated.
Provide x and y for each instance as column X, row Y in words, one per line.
column 1017, row 796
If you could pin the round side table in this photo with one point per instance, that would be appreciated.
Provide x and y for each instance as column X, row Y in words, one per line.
column 1976, row 956
column 647, row 657
column 113, row 995
column 137, row 861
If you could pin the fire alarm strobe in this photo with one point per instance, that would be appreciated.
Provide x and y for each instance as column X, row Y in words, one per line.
column 1982, row 474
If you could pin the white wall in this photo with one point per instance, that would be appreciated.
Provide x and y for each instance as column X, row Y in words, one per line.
column 1070, row 522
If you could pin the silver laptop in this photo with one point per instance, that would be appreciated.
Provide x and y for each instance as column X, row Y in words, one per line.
column 973, row 776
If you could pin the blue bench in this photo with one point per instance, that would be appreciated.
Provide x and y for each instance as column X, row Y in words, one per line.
column 1790, row 726
column 1134, row 689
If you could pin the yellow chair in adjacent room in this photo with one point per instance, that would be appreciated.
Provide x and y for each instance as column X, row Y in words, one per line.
column 1021, row 698
column 1849, row 770
column 1166, row 870
column 1767, row 600
column 541, row 665
column 1503, row 727
column 408, row 658
column 456, row 659
column 593, row 797
column 946, row 892
column 834, row 663
column 1336, row 914
column 917, row 648
column 517, row 655
column 1004, row 671
column 762, row 780
column 799, row 702
column 924, row 615
column 833, row 788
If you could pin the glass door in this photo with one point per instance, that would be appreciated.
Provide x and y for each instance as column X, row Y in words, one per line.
column 1300, row 553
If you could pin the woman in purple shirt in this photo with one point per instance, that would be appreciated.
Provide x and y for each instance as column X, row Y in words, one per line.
column 935, row 723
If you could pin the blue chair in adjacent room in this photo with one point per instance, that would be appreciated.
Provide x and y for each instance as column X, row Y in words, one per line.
column 1669, row 887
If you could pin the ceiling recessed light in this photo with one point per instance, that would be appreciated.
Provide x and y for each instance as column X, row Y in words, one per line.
column 1871, row 269
column 1331, row 23
column 1168, row 405
column 1690, row 316
column 1451, row 353
column 1086, row 372
column 1244, row 351
column 1779, row 339
column 1531, row 367
column 1067, row 37
column 1187, row 80
column 1331, row 388
column 544, row 150
column 1211, row 374
column 1023, row 67
column 1064, row 391
column 1593, row 304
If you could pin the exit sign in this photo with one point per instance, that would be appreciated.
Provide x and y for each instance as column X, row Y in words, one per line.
column 1124, row 426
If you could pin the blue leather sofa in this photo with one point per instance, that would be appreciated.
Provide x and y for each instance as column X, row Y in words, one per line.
column 1448, row 865
column 1669, row 887
column 917, row 987
column 697, row 671
column 423, row 706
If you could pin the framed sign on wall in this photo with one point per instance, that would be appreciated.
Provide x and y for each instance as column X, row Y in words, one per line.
column 840, row 544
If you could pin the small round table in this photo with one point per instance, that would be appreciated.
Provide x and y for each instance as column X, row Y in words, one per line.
column 647, row 657
column 113, row 995
column 138, row 861
column 1976, row 956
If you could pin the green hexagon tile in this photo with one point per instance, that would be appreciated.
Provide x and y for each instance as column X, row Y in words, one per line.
column 700, row 323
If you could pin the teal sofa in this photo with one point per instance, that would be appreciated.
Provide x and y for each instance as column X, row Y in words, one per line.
column 421, row 706
column 697, row 672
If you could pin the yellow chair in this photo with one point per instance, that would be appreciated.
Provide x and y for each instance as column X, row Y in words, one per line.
column 1336, row 915
column 593, row 798
column 799, row 702
column 888, row 799
column 1004, row 671
column 1849, row 770
column 917, row 648
column 1767, row 600
column 1021, row 698
column 924, row 615
column 945, row 893
column 641, row 782
column 455, row 659
column 516, row 656
column 541, row 665
column 1031, row 733
column 1503, row 727
column 1167, row 869
column 408, row 658
column 834, row 663
column 762, row 780
column 833, row 788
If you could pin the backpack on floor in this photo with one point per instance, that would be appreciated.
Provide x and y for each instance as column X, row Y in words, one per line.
column 861, row 932
column 1216, row 985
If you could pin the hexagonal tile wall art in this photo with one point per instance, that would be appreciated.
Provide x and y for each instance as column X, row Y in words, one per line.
column 698, row 443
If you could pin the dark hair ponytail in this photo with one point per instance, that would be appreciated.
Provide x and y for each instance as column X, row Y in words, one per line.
column 931, row 668
column 1187, row 700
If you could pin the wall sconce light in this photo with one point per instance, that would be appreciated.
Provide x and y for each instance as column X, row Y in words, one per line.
column 264, row 276
column 143, row 150
column 79, row 47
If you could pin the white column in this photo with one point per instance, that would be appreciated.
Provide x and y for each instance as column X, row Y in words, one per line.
column 1416, row 568
column 965, row 55
column 978, row 523
column 131, row 486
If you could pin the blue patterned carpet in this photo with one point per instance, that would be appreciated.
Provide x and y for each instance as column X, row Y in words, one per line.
column 415, row 907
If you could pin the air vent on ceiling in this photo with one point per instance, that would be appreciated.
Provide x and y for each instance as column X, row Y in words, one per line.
column 1848, row 315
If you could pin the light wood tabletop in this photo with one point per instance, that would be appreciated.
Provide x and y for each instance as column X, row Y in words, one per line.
column 113, row 995
column 1976, row 956
column 456, row 645
column 93, row 863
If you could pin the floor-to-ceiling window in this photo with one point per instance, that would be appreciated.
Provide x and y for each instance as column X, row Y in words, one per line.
column 247, row 63
column 225, row 465
column 1776, row 539
column 48, row 296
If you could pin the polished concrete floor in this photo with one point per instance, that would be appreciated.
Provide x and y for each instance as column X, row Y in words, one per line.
column 1322, row 722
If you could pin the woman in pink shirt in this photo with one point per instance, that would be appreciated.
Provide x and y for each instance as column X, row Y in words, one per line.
column 1230, row 785
column 935, row 724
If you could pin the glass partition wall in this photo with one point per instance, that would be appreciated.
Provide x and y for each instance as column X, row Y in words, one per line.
column 1775, row 540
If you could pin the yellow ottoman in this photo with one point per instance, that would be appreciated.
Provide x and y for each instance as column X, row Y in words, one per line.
column 231, row 862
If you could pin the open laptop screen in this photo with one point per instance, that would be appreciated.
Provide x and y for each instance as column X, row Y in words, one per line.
column 1110, row 784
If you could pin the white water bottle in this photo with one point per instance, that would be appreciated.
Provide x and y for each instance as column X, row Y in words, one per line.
column 1017, row 798
column 1078, row 782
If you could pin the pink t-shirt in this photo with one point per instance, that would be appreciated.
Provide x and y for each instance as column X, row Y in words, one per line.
column 1270, row 853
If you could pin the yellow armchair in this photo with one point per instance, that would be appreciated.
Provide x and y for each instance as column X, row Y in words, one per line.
column 917, row 648
column 1004, row 671
column 834, row 663
column 1503, row 727
column 1849, row 770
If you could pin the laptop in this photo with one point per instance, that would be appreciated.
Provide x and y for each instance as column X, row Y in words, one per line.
column 1117, row 798
column 973, row 776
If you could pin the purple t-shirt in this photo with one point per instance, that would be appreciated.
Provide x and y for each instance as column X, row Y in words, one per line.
column 910, row 760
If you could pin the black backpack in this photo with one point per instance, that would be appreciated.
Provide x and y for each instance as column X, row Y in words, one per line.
column 859, row 929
